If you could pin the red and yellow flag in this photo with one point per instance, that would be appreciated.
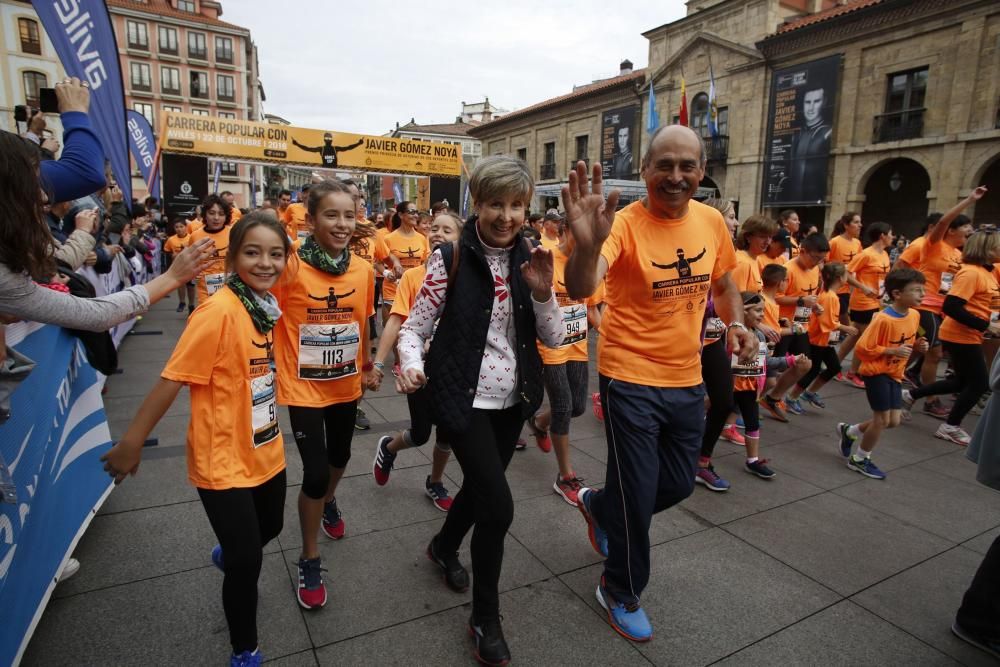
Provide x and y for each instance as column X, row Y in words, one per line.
column 684, row 104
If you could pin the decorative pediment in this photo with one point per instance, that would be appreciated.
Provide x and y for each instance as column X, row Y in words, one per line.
column 721, row 53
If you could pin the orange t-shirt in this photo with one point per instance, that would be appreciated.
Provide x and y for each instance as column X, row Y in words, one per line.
column 294, row 218
column 869, row 269
column 843, row 250
column 939, row 263
column 233, row 438
column 320, row 341
column 549, row 244
column 235, row 215
column 911, row 253
column 194, row 225
column 764, row 260
column 771, row 313
column 659, row 275
column 213, row 277
column 175, row 244
column 886, row 331
column 746, row 275
column 821, row 326
column 751, row 377
column 366, row 249
column 800, row 283
column 411, row 251
column 978, row 286
column 407, row 290
column 574, row 318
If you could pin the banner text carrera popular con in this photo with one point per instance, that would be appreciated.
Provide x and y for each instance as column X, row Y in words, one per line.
column 283, row 144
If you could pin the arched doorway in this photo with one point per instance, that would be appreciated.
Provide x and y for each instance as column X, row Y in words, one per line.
column 896, row 193
column 988, row 208
column 707, row 188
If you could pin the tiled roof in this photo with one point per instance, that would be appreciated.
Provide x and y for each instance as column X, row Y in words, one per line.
column 826, row 15
column 447, row 128
column 163, row 8
column 582, row 91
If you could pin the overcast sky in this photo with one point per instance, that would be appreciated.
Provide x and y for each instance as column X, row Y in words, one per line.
column 362, row 68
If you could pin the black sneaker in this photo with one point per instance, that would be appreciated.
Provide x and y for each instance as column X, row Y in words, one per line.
column 991, row 646
column 455, row 575
column 490, row 646
column 361, row 421
column 181, row 306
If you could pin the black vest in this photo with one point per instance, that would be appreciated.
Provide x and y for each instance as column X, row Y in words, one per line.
column 456, row 353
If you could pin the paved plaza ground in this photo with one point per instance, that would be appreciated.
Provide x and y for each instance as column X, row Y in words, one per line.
column 819, row 566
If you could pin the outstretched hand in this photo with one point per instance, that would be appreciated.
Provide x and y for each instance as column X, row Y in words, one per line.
column 978, row 193
column 588, row 215
column 537, row 273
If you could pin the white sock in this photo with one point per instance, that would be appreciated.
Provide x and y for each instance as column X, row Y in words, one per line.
column 751, row 459
column 853, row 431
column 861, row 455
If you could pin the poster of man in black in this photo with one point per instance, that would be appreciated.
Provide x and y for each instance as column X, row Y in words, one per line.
column 616, row 143
column 800, row 128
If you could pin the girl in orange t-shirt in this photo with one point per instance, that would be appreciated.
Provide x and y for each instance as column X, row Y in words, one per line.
column 321, row 348
column 845, row 245
column 235, row 453
column 217, row 214
column 409, row 248
column 970, row 310
column 173, row 245
column 446, row 228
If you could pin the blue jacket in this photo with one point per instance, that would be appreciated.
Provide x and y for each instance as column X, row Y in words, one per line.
column 80, row 169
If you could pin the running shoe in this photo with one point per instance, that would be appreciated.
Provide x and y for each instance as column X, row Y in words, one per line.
column 630, row 621
column 774, row 407
column 936, row 409
column 247, row 659
column 490, row 646
column 991, row 646
column 382, row 465
column 908, row 400
column 854, row 380
column 520, row 445
column 568, row 488
column 911, row 377
column 361, row 421
column 952, row 434
column 708, row 478
column 733, row 435
column 598, row 538
column 813, row 399
column 181, row 306
column 759, row 468
column 542, row 438
column 71, row 567
column 312, row 592
column 595, row 398
column 794, row 406
column 438, row 494
column 839, row 377
column 739, row 422
column 865, row 467
column 846, row 441
column 333, row 522
column 190, row 309
column 455, row 575
column 217, row 558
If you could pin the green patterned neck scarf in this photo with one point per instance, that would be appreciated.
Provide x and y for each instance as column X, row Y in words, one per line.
column 314, row 255
column 263, row 313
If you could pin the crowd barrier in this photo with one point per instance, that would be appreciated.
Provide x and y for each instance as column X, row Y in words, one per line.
column 51, row 446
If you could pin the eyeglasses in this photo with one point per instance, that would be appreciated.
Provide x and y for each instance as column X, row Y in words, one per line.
column 412, row 211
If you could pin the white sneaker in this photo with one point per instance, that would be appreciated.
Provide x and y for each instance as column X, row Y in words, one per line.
column 952, row 434
column 71, row 567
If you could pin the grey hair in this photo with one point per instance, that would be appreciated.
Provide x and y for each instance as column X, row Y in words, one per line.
column 500, row 176
column 648, row 156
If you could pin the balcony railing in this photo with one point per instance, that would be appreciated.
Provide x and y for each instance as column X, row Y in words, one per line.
column 572, row 163
column 906, row 124
column 717, row 148
column 143, row 86
column 198, row 53
column 547, row 171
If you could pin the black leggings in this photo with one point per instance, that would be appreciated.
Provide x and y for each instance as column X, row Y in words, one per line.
column 717, row 374
column 566, row 386
column 746, row 401
column 323, row 436
column 244, row 521
column 971, row 380
column 419, row 403
column 820, row 355
column 792, row 344
column 484, row 503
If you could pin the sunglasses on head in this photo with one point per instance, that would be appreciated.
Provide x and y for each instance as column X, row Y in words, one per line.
column 412, row 211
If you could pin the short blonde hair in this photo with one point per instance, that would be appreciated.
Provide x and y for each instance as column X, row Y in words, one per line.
column 981, row 246
column 500, row 176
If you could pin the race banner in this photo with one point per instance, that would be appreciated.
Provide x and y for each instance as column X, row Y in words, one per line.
column 248, row 141
column 617, row 129
column 799, row 131
column 84, row 39
column 143, row 145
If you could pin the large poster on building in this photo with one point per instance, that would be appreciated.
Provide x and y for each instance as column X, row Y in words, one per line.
column 617, row 140
column 799, row 129
column 282, row 144
column 185, row 184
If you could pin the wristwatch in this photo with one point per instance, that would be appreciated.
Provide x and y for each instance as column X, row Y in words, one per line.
column 800, row 302
column 738, row 325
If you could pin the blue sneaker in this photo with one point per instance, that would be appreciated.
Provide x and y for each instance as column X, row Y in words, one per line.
column 846, row 441
column 710, row 479
column 598, row 538
column 217, row 557
column 812, row 398
column 794, row 406
column 865, row 467
column 630, row 621
column 739, row 422
column 247, row 659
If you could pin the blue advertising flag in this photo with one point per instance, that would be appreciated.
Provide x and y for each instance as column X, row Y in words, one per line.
column 253, row 186
column 215, row 181
column 713, row 109
column 652, row 116
column 84, row 39
column 143, row 145
column 397, row 191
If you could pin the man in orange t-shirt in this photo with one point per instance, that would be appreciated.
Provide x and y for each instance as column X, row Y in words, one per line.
column 294, row 217
column 659, row 258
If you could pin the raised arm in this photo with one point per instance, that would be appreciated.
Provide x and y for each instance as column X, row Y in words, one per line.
column 938, row 231
column 589, row 218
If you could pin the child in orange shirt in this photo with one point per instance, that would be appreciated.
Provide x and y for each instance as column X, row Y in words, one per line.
column 235, row 454
column 218, row 216
column 822, row 326
column 446, row 228
column 883, row 349
column 173, row 245
column 322, row 355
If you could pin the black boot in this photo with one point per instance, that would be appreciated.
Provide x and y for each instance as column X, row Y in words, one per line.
column 455, row 575
column 491, row 647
